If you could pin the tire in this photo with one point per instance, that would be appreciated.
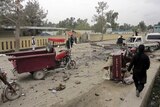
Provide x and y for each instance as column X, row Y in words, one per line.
column 72, row 65
column 39, row 75
column 10, row 95
column 151, row 49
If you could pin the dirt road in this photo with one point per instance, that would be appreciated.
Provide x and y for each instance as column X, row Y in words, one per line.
column 84, row 88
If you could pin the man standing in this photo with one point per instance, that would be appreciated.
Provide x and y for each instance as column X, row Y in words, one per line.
column 140, row 63
column 120, row 40
column 33, row 43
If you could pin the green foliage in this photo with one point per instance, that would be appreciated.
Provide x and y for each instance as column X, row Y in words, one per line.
column 111, row 18
column 71, row 23
column 100, row 19
column 104, row 19
column 149, row 27
column 9, row 11
column 31, row 14
column 142, row 26
column 125, row 27
column 67, row 23
column 82, row 24
column 34, row 14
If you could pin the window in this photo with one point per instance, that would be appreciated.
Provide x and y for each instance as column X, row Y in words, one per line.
column 138, row 40
column 153, row 37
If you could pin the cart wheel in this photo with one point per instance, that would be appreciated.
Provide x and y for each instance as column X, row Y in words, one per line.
column 10, row 94
column 72, row 65
column 39, row 75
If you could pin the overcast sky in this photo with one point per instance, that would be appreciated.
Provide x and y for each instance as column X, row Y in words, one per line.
column 130, row 11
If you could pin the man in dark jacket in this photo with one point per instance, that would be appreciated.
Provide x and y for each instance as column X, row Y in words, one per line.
column 68, row 44
column 140, row 63
column 120, row 40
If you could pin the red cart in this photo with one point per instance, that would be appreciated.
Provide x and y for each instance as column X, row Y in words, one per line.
column 38, row 61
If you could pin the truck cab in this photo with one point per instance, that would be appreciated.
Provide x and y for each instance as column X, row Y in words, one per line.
column 134, row 41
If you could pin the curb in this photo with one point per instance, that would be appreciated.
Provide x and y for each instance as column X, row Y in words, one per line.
column 131, row 100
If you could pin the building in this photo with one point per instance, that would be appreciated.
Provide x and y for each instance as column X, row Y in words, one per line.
column 156, row 28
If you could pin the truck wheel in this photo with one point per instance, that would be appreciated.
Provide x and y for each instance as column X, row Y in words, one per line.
column 39, row 75
column 151, row 49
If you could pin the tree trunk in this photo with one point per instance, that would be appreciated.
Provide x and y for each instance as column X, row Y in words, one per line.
column 17, row 36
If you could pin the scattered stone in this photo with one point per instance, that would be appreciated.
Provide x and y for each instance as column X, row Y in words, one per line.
column 22, row 94
column 96, row 94
column 32, row 87
column 94, row 50
column 108, row 100
column 122, row 99
column 64, row 72
column 65, row 78
column 77, row 82
column 60, row 87
column 50, row 89
column 152, row 56
column 76, row 76
column 86, row 64
column 54, row 91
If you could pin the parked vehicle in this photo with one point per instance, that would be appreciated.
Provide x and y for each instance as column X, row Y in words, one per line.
column 11, row 90
column 39, row 61
column 135, row 41
column 153, row 37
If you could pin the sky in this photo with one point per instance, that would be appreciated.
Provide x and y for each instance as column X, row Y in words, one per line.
column 130, row 11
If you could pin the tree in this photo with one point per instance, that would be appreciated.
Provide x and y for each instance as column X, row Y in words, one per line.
column 34, row 14
column 100, row 19
column 82, row 24
column 111, row 18
column 104, row 19
column 67, row 23
column 49, row 24
column 142, row 26
column 125, row 27
column 10, row 11
column 149, row 27
column 72, row 23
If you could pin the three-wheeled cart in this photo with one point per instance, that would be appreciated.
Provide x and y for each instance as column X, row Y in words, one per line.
column 38, row 61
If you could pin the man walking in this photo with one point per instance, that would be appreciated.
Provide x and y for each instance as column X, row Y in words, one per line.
column 140, row 63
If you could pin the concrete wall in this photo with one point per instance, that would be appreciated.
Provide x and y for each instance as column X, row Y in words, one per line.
column 8, row 43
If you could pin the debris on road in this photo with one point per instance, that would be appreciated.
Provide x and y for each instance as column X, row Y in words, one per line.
column 77, row 82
